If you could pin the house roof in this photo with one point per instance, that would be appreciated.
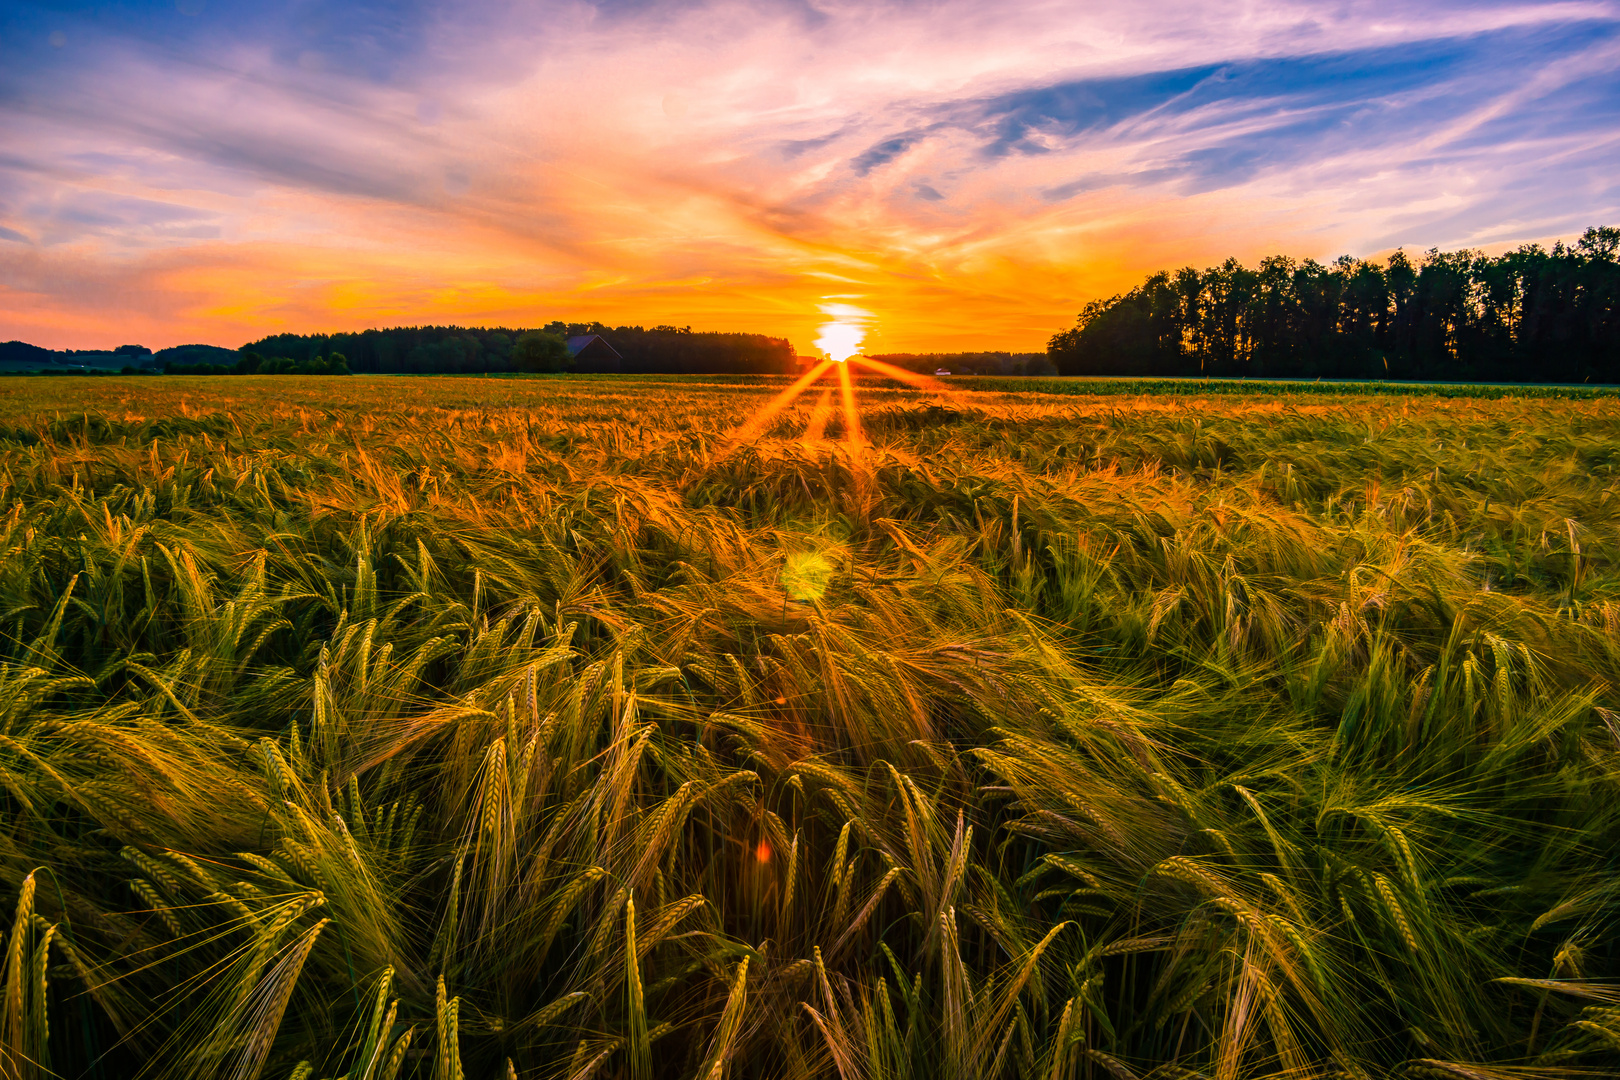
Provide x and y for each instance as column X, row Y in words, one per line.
column 592, row 347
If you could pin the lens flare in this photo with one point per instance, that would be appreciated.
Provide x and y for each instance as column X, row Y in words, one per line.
column 806, row 575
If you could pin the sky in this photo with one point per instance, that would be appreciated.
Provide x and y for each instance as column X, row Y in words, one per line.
column 954, row 175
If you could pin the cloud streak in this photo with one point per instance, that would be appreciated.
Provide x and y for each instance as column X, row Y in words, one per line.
column 974, row 172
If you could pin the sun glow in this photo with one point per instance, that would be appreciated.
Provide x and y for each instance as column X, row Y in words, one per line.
column 841, row 338
column 840, row 341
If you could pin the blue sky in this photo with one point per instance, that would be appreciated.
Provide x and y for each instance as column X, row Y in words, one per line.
column 968, row 172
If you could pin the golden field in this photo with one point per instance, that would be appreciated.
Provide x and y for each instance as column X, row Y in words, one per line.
column 441, row 728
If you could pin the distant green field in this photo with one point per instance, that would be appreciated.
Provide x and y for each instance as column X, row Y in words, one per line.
column 980, row 384
column 403, row 727
column 1285, row 387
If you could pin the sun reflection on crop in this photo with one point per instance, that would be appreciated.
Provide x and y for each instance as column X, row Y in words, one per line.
column 806, row 575
column 839, row 340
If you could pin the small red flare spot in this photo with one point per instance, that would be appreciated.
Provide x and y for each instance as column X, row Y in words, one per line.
column 763, row 852
column 781, row 701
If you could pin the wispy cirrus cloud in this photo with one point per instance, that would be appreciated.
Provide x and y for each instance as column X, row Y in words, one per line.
column 972, row 171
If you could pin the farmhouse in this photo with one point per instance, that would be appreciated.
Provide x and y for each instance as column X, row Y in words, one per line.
column 593, row 355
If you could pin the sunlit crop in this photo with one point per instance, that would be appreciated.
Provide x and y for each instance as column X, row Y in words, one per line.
column 382, row 728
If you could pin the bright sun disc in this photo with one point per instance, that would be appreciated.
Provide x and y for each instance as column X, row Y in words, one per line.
column 840, row 340
column 840, row 343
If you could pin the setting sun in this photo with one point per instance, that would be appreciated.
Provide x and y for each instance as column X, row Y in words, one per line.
column 838, row 339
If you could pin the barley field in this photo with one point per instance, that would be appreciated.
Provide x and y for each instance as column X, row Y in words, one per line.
column 386, row 728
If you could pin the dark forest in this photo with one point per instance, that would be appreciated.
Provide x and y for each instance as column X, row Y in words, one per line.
column 458, row 350
column 1530, row 315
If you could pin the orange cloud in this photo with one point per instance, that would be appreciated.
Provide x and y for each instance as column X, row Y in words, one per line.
column 970, row 175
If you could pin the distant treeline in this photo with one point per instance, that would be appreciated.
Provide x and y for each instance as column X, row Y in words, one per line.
column 1531, row 315
column 248, row 362
column 971, row 363
column 19, row 357
column 424, row 350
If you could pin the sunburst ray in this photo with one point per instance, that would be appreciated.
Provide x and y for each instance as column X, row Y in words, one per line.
column 817, row 428
column 781, row 401
column 852, row 417
column 922, row 382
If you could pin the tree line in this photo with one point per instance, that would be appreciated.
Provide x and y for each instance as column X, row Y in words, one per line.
column 423, row 350
column 1530, row 315
column 251, row 363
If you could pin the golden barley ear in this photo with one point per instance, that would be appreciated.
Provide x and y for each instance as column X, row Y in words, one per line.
column 24, row 1019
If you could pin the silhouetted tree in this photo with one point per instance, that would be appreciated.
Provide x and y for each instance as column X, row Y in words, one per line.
column 542, row 351
column 1529, row 315
column 477, row 350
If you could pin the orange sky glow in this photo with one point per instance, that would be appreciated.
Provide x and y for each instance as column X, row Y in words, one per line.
column 969, row 174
